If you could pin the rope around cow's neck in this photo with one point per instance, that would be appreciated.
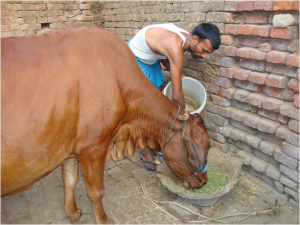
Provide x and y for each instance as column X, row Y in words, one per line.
column 167, row 141
column 153, row 201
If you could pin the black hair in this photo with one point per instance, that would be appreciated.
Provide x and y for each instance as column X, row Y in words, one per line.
column 208, row 31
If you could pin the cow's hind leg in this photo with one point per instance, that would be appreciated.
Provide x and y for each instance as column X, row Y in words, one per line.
column 93, row 172
column 70, row 169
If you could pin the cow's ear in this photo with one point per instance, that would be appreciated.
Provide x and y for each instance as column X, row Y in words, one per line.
column 196, row 154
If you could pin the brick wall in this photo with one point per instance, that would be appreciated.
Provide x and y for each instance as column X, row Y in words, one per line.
column 20, row 18
column 252, row 81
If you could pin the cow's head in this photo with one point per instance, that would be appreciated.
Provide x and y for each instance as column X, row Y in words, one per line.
column 197, row 145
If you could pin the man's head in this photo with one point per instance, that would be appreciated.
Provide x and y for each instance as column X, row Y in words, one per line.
column 205, row 39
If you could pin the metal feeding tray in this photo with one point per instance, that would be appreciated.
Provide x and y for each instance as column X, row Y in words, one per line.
column 219, row 160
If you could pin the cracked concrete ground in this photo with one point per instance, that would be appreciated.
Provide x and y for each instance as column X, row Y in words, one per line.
column 125, row 203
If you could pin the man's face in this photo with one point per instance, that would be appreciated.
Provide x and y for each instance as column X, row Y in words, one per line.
column 200, row 50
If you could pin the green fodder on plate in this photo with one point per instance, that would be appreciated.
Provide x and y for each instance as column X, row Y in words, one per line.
column 215, row 180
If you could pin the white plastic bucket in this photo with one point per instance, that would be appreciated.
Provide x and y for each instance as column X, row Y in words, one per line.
column 193, row 91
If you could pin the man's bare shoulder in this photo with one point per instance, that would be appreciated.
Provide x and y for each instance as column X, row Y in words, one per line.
column 159, row 40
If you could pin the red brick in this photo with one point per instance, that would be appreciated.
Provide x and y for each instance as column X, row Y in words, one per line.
column 293, row 60
column 287, row 109
column 241, row 95
column 251, row 120
column 231, row 29
column 258, row 78
column 268, row 147
column 215, row 118
column 217, row 136
column 228, row 50
column 262, row 31
column 243, row 52
column 253, row 64
column 85, row 6
column 87, row 12
column 228, row 61
column 5, row 28
column 294, row 125
column 252, row 41
column 243, row 105
column 252, row 53
column 246, row 5
column 296, row 101
column 227, row 72
column 231, row 5
column 6, row 21
column 256, row 99
column 277, row 81
column 241, row 74
column 245, row 84
column 227, row 92
column 210, row 107
column 289, row 71
column 227, row 39
column 253, row 140
column 283, row 5
column 40, row 7
column 296, row 17
column 290, row 150
column 265, row 47
column 290, row 32
column 224, row 82
column 220, row 100
column 257, row 55
column 273, row 116
column 8, row 14
column 285, row 45
column 298, row 74
column 225, row 111
column 226, row 130
column 257, row 17
column 193, row 73
column 268, row 126
column 238, row 114
column 286, row 134
column 212, row 89
column 264, row 5
column 272, row 104
column 296, row 5
column 277, row 57
column 285, row 94
column 294, row 85
column 293, row 174
column 238, row 135
column 244, row 29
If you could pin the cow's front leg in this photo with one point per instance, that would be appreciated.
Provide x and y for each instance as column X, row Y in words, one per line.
column 93, row 172
column 70, row 178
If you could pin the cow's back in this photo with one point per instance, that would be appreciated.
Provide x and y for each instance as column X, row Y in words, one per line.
column 54, row 88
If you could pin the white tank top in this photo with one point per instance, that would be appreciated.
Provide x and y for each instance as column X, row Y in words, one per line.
column 140, row 49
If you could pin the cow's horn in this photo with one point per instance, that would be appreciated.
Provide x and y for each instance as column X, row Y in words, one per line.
column 184, row 117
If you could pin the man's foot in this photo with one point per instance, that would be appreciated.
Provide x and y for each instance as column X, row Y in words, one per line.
column 147, row 159
column 151, row 166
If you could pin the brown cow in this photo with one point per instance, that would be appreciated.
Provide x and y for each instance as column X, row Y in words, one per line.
column 66, row 96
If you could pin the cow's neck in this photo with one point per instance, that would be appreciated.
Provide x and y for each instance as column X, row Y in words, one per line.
column 153, row 116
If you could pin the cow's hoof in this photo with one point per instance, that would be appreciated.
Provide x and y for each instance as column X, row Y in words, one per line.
column 76, row 217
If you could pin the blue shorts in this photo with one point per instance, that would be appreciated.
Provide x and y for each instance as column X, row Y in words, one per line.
column 153, row 72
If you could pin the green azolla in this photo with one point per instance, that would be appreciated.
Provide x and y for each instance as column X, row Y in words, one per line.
column 216, row 179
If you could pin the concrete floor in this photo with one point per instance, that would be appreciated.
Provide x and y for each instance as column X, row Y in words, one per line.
column 125, row 203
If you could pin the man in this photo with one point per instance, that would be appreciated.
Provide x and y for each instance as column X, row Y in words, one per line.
column 167, row 43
